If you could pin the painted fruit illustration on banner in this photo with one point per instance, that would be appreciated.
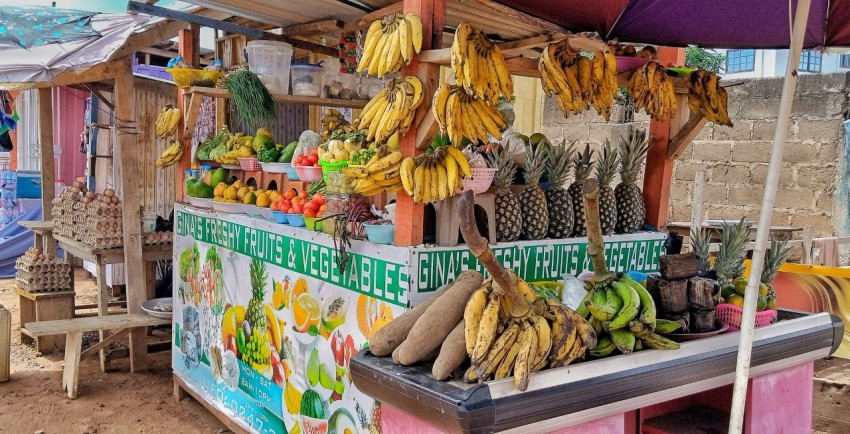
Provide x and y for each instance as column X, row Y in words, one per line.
column 372, row 314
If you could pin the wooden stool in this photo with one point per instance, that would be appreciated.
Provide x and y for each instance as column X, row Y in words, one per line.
column 278, row 178
column 45, row 306
column 5, row 343
column 250, row 175
column 448, row 219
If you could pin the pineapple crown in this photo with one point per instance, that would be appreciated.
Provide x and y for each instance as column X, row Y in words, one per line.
column 733, row 247
column 535, row 162
column 582, row 163
column 502, row 159
column 775, row 256
column 606, row 166
column 559, row 161
column 258, row 275
column 699, row 247
column 632, row 154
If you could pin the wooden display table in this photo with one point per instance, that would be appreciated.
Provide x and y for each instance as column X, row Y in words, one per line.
column 42, row 233
column 776, row 232
column 45, row 306
column 102, row 257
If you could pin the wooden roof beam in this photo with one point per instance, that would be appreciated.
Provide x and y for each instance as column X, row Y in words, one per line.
column 314, row 28
column 108, row 70
column 161, row 32
column 367, row 19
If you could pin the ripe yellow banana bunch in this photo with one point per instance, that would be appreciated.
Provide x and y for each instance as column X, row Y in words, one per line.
column 479, row 66
column 391, row 110
column 389, row 42
column 171, row 155
column 461, row 115
column 167, row 121
column 576, row 80
column 500, row 345
column 431, row 177
column 652, row 90
column 381, row 174
column 705, row 96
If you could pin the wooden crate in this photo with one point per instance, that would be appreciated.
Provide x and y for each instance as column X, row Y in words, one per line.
column 44, row 307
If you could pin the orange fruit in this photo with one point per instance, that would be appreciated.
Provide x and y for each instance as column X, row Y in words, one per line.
column 737, row 300
column 305, row 312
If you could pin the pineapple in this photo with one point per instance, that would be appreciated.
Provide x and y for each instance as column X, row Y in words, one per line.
column 508, row 214
column 257, row 347
column 532, row 199
column 631, row 211
column 605, row 168
column 775, row 256
column 699, row 247
column 582, row 166
column 729, row 263
column 561, row 213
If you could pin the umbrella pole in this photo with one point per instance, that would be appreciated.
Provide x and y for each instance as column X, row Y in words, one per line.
column 745, row 346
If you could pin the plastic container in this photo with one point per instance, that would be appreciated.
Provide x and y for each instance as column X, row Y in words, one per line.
column 380, row 234
column 148, row 222
column 200, row 202
column 251, row 164
column 270, row 61
column 309, row 173
column 251, row 210
column 187, row 77
column 482, row 179
column 274, row 167
column 291, row 173
column 307, row 80
column 329, row 225
column 228, row 207
column 328, row 167
column 267, row 213
column 338, row 183
column 296, row 220
column 313, row 223
column 280, row 217
column 730, row 315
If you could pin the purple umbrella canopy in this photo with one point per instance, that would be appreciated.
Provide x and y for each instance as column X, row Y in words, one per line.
column 710, row 24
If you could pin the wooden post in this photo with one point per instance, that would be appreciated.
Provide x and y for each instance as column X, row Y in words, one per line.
column 697, row 210
column 409, row 216
column 659, row 170
column 127, row 156
column 48, row 161
column 188, row 47
column 5, row 343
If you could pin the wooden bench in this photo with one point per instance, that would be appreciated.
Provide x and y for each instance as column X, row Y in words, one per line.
column 73, row 330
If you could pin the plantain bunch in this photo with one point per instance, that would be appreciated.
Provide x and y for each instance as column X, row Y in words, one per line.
column 479, row 66
column 652, row 90
column 707, row 97
column 459, row 114
column 382, row 173
column 578, row 81
column 389, row 43
column 434, row 176
column 391, row 110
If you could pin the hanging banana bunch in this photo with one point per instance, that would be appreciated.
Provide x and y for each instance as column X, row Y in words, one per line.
column 578, row 81
column 652, row 90
column 389, row 42
column 461, row 115
column 434, row 176
column 171, row 155
column 706, row 97
column 391, row 110
column 167, row 121
column 479, row 66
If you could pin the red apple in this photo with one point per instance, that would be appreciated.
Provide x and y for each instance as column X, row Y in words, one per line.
column 350, row 349
column 338, row 348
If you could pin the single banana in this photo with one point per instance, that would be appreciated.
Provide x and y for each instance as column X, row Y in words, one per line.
column 647, row 304
column 435, row 182
column 624, row 340
column 471, row 375
column 631, row 304
column 665, row 326
column 544, row 343
column 506, row 367
column 522, row 366
column 505, row 81
column 462, row 163
column 604, row 348
column 658, row 342
column 486, row 330
column 442, row 182
column 472, row 317
column 497, row 352
column 405, row 45
column 418, row 183
column 369, row 44
column 408, row 166
column 415, row 31
column 451, row 174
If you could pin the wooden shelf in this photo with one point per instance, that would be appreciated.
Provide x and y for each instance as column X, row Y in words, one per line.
column 292, row 99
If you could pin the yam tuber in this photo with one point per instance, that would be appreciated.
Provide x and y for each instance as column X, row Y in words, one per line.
column 390, row 336
column 452, row 353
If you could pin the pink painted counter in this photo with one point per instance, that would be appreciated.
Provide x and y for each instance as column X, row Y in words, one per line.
column 648, row 391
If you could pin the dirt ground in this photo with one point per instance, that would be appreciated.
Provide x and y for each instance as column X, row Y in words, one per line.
column 115, row 402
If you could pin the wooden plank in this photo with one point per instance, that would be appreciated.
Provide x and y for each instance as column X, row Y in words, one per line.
column 102, row 346
column 426, row 130
column 180, row 391
column 520, row 18
column 314, row 28
column 71, row 374
column 187, row 48
column 48, row 160
column 518, row 46
column 98, row 72
column 5, row 344
column 366, row 20
column 686, row 134
column 103, row 296
column 94, row 305
column 95, row 323
column 128, row 157
column 37, row 225
column 291, row 99
column 193, row 109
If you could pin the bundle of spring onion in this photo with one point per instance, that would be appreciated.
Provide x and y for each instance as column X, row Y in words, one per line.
column 253, row 103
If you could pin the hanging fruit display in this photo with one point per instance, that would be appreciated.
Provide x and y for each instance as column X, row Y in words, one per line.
column 167, row 121
column 171, row 155
column 479, row 66
column 706, row 97
column 436, row 175
column 389, row 42
column 577, row 80
column 652, row 90
column 391, row 110
column 461, row 115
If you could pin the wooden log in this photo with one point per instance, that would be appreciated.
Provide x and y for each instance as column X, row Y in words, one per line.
column 675, row 267
column 702, row 321
column 652, row 283
column 5, row 343
column 674, row 295
column 702, row 293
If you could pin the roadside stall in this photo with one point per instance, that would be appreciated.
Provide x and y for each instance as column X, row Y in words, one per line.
column 284, row 295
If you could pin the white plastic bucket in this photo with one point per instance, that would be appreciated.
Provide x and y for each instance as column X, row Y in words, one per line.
column 149, row 222
column 270, row 60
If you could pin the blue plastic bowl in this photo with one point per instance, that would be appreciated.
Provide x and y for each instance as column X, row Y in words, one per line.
column 280, row 217
column 291, row 173
column 637, row 276
column 380, row 234
column 296, row 220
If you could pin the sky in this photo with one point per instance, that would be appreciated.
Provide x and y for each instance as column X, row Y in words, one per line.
column 86, row 5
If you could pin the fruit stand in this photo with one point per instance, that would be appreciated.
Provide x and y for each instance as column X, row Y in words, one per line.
column 278, row 350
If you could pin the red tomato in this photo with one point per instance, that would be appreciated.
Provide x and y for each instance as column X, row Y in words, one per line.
column 274, row 206
column 311, row 160
column 322, row 209
column 296, row 209
column 314, row 151
column 311, row 206
column 303, row 194
column 309, row 213
column 290, row 194
column 319, row 198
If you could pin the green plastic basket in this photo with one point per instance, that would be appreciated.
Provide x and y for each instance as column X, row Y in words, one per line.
column 328, row 167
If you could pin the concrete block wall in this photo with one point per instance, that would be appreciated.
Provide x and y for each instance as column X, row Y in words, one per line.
column 735, row 159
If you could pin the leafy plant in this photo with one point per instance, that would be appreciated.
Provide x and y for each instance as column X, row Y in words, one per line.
column 709, row 60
